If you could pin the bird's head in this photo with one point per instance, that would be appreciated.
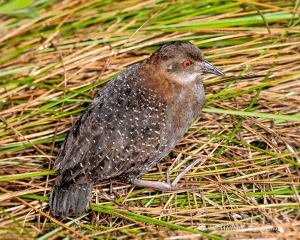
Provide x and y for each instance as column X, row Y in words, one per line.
column 182, row 62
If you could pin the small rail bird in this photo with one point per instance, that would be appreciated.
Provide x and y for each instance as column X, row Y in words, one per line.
column 135, row 121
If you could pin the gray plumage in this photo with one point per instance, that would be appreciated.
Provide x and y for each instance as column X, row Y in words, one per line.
column 134, row 121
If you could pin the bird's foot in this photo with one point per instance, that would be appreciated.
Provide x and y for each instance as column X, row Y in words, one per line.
column 167, row 186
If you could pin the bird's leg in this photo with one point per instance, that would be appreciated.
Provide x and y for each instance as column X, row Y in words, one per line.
column 168, row 175
column 153, row 184
column 110, row 187
column 168, row 182
column 166, row 186
column 189, row 167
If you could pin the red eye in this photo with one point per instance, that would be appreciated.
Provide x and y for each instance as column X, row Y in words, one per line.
column 187, row 63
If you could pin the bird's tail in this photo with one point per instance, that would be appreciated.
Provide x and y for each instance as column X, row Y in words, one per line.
column 76, row 197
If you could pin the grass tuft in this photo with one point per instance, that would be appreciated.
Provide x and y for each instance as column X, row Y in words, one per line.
column 56, row 55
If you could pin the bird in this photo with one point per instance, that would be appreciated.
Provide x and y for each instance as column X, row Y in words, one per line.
column 135, row 120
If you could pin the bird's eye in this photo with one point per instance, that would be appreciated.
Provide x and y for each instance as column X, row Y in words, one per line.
column 187, row 63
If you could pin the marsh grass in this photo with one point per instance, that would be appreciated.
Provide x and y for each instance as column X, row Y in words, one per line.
column 54, row 62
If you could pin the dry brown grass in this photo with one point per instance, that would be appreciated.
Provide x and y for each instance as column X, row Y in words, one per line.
column 248, row 187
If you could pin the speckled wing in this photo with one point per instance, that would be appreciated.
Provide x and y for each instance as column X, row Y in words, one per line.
column 122, row 131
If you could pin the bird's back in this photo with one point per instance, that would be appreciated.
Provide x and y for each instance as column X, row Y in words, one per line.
column 124, row 130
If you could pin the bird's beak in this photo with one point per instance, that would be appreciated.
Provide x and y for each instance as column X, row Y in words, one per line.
column 209, row 68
